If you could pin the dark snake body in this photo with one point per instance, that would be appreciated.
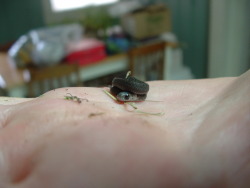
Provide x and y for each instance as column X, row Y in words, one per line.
column 129, row 89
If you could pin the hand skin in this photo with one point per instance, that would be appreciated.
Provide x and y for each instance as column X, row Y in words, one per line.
column 202, row 140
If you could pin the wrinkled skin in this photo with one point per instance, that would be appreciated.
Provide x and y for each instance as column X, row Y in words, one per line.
column 202, row 140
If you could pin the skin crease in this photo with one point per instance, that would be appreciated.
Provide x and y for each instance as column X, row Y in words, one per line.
column 202, row 140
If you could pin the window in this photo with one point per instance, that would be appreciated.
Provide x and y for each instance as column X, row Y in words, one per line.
column 63, row 5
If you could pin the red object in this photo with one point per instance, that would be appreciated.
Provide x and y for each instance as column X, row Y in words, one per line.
column 87, row 51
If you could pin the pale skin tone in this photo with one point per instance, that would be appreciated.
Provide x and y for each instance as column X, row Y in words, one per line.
column 201, row 140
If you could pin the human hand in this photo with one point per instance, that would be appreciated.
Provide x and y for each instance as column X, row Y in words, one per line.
column 202, row 140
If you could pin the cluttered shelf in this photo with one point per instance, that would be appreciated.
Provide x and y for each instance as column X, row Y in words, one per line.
column 14, row 80
column 11, row 77
column 99, row 54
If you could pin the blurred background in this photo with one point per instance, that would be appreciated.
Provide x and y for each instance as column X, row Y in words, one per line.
column 46, row 44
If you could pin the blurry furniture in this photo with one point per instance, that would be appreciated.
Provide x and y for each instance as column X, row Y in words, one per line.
column 147, row 62
column 10, row 77
column 15, row 79
column 49, row 78
column 5, row 47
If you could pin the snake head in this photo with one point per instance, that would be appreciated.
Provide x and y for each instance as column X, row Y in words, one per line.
column 126, row 96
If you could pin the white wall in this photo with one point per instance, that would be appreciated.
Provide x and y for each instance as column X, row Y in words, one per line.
column 52, row 17
column 229, row 37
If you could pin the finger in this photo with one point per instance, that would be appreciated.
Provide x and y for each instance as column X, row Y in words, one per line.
column 12, row 100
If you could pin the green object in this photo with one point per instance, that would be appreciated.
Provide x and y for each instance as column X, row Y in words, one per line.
column 96, row 18
column 190, row 24
column 18, row 17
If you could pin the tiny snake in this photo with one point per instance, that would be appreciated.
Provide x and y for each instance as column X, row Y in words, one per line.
column 129, row 89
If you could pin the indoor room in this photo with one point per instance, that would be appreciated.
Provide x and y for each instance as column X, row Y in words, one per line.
column 97, row 40
column 124, row 94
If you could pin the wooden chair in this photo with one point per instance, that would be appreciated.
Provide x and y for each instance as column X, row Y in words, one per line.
column 45, row 79
column 147, row 62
